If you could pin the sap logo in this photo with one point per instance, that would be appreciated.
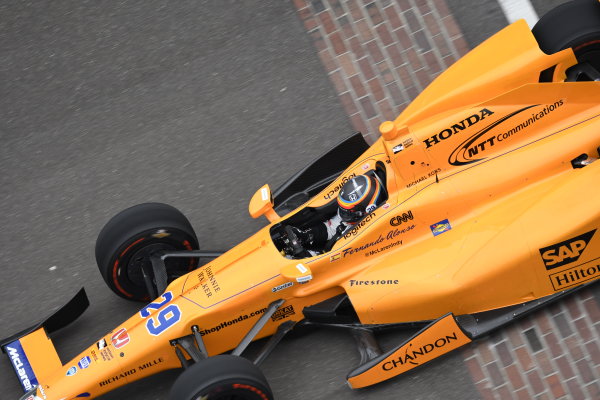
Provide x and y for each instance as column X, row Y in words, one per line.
column 459, row 126
column 565, row 252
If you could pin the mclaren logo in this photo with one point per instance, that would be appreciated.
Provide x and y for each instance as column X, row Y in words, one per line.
column 459, row 126
column 21, row 365
column 565, row 252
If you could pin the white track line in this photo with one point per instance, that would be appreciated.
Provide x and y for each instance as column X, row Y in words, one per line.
column 517, row 9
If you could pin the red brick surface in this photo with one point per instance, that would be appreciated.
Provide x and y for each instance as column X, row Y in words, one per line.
column 379, row 56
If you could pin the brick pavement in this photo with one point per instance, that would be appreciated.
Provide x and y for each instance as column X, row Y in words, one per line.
column 379, row 56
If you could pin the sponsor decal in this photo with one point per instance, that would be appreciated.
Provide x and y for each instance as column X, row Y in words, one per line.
column 94, row 355
column 439, row 338
column 407, row 143
column 106, row 354
column 366, row 167
column 567, row 251
column 386, row 206
column 161, row 233
column 71, row 371
column 470, row 150
column 120, row 339
column 430, row 174
column 412, row 355
column 384, row 248
column 459, row 126
column 399, row 219
column 355, row 228
column 397, row 149
column 116, row 378
column 282, row 313
column 575, row 275
column 150, row 364
column 41, row 389
column 84, row 362
column 101, row 344
column 208, row 282
column 281, row 287
column 440, row 227
column 373, row 282
column 21, row 365
column 232, row 322
column 333, row 192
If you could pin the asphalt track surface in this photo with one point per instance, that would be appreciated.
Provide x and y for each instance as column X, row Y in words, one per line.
column 196, row 104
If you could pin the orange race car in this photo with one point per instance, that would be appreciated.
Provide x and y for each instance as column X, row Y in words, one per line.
column 477, row 205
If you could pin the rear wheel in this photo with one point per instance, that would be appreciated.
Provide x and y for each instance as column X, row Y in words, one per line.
column 576, row 25
column 126, row 242
column 223, row 377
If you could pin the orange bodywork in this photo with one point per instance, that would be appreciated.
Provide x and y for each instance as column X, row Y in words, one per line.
column 484, row 211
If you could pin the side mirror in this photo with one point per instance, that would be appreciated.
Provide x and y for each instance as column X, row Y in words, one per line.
column 299, row 273
column 262, row 204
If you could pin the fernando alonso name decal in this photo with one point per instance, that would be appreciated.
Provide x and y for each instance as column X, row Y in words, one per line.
column 373, row 246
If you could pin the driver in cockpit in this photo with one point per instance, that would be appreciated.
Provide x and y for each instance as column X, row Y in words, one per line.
column 358, row 197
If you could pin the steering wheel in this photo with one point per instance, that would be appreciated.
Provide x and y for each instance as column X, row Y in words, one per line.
column 293, row 244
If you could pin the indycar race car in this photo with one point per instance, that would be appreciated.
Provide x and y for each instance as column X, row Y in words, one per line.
column 489, row 211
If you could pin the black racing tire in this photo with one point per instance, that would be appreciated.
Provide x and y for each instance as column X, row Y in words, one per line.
column 576, row 25
column 127, row 240
column 222, row 377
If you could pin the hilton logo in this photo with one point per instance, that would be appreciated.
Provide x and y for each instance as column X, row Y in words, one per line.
column 576, row 275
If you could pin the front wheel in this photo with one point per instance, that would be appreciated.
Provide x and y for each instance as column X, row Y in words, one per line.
column 127, row 241
column 222, row 377
column 576, row 25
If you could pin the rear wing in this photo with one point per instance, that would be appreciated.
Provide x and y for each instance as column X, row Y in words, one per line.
column 31, row 351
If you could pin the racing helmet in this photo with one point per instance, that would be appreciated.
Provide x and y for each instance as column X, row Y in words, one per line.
column 358, row 197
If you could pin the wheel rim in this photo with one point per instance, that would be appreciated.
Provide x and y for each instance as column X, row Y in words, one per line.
column 589, row 52
column 128, row 277
column 141, row 259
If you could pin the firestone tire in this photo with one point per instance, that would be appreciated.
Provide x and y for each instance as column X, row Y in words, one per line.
column 223, row 377
column 576, row 25
column 127, row 240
